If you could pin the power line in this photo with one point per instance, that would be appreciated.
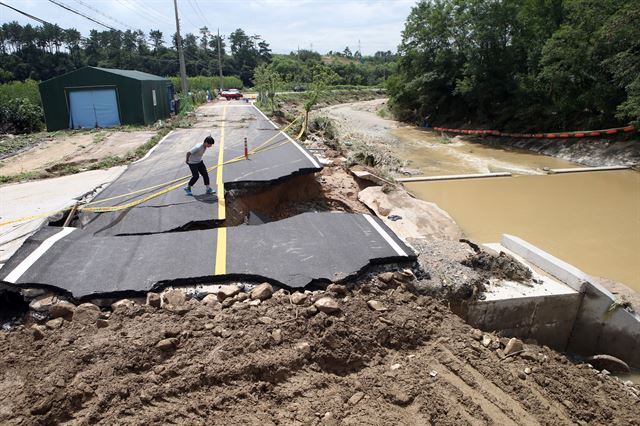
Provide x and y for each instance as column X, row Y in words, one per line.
column 153, row 11
column 136, row 11
column 81, row 14
column 104, row 14
column 42, row 21
column 204, row 17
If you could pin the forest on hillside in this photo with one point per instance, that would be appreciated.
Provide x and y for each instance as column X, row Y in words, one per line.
column 530, row 65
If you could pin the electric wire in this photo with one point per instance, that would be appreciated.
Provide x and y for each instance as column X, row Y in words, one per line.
column 81, row 14
column 88, row 6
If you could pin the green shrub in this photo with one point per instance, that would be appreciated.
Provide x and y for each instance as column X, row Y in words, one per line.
column 20, row 116
column 324, row 126
column 27, row 89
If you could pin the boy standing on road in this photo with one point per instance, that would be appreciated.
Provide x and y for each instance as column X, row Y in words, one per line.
column 195, row 163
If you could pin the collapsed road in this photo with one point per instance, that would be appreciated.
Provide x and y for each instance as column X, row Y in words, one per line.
column 133, row 250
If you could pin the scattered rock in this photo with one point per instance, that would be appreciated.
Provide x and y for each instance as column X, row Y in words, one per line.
column 174, row 297
column 404, row 276
column 123, row 304
column 433, row 373
column 476, row 334
column 228, row 302
column 241, row 297
column 298, row 298
column 304, row 347
column 255, row 302
column 386, row 277
column 327, row 305
column 167, row 344
column 62, row 309
column 311, row 311
column 102, row 323
column 355, row 398
column 527, row 370
column 265, row 320
column 276, row 335
column 262, row 292
column 395, row 367
column 154, row 300
column 608, row 362
column 398, row 396
column 42, row 407
column 43, row 303
column 376, row 306
column 37, row 331
column 522, row 375
column 211, row 300
column 513, row 346
column 337, row 289
column 227, row 291
column 54, row 324
column 87, row 313
column 329, row 419
column 486, row 340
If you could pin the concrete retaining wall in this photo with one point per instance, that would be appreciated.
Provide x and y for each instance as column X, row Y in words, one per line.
column 599, row 327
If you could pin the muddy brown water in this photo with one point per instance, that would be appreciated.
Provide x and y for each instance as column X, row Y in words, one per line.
column 591, row 220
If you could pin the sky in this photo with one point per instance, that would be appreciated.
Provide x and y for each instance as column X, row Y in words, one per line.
column 287, row 25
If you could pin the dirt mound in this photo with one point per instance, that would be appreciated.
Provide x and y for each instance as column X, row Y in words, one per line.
column 403, row 359
column 501, row 266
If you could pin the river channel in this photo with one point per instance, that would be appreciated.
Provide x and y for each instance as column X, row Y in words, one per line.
column 591, row 220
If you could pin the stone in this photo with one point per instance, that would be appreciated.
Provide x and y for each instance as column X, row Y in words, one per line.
column 102, row 323
column 87, row 314
column 337, row 289
column 227, row 291
column 329, row 419
column 262, row 292
column 404, row 276
column 513, row 346
column 62, row 309
column 43, row 303
column 265, row 320
column 37, row 331
column 522, row 375
column 304, row 347
column 355, row 398
column 154, row 300
column 54, row 324
column 211, row 300
column 386, row 277
column 276, row 335
column 376, row 306
column 255, row 302
column 476, row 334
column 327, row 305
column 398, row 396
column 310, row 311
column 122, row 305
column 486, row 340
column 228, row 302
column 298, row 298
column 527, row 370
column 608, row 362
column 241, row 297
column 174, row 297
column 395, row 367
column 167, row 344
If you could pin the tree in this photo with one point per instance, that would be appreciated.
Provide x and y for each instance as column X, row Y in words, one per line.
column 267, row 81
column 321, row 78
column 156, row 39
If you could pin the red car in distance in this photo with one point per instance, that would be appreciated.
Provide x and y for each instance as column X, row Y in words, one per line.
column 231, row 94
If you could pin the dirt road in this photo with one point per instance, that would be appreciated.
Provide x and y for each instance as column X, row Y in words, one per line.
column 283, row 362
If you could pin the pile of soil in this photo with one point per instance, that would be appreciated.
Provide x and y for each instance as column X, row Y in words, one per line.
column 387, row 356
column 502, row 266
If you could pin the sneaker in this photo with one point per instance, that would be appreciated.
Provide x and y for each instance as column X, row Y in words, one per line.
column 210, row 191
column 188, row 191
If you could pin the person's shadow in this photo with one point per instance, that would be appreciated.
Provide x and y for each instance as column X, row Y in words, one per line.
column 207, row 198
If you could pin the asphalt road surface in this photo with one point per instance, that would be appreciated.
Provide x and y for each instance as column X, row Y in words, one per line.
column 132, row 250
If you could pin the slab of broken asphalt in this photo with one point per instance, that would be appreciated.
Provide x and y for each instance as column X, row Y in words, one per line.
column 294, row 252
column 174, row 210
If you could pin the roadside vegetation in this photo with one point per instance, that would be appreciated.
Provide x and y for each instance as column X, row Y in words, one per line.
column 529, row 65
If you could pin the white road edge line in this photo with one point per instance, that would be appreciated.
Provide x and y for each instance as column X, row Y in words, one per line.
column 302, row 150
column 152, row 149
column 37, row 254
column 385, row 235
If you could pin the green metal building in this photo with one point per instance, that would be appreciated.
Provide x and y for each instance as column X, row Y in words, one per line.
column 102, row 97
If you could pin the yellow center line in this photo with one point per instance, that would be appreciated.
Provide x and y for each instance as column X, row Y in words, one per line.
column 221, row 249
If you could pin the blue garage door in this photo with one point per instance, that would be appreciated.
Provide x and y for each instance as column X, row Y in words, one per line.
column 93, row 108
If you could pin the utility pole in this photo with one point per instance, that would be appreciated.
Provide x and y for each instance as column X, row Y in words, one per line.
column 220, row 62
column 183, row 67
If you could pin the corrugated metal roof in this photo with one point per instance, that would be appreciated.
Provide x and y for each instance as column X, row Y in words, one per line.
column 138, row 75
